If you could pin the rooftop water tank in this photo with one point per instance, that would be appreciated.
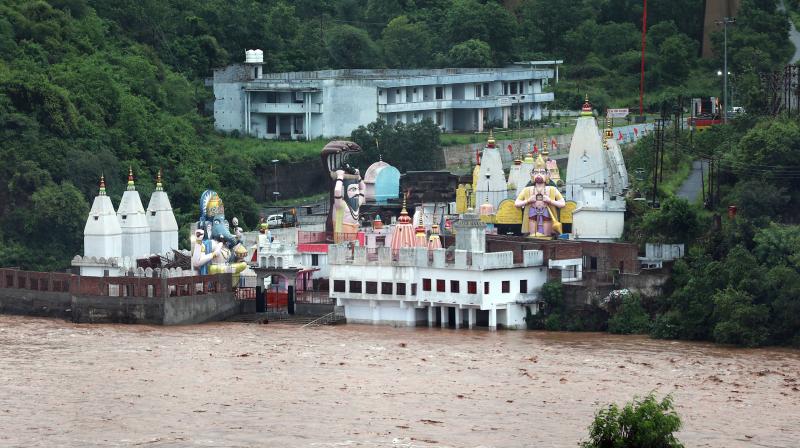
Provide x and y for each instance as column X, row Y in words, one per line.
column 254, row 56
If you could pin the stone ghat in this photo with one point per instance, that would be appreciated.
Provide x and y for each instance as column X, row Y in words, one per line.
column 134, row 300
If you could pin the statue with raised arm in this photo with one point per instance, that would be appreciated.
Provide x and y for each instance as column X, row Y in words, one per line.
column 540, row 202
column 348, row 195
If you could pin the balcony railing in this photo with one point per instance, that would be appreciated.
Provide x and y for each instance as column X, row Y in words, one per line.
column 285, row 108
column 477, row 103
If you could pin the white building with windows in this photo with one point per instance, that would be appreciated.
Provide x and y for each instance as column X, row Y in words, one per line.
column 331, row 103
column 419, row 287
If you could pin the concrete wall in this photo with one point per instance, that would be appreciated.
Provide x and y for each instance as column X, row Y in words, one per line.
column 153, row 310
column 199, row 308
column 647, row 283
column 313, row 309
column 117, row 310
column 35, row 303
column 347, row 105
column 228, row 107
column 294, row 180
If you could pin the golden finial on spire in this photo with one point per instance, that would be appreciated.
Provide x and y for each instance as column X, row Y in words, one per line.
column 159, row 186
column 586, row 110
column 490, row 143
column 404, row 218
column 102, row 185
column 131, row 185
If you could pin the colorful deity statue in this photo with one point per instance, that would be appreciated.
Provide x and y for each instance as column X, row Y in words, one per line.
column 539, row 202
column 348, row 194
column 213, row 233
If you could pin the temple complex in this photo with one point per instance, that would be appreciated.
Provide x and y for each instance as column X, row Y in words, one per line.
column 113, row 241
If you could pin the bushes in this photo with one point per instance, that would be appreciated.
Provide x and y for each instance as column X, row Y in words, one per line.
column 630, row 317
column 640, row 423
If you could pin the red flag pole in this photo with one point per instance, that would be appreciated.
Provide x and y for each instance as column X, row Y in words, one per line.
column 641, row 80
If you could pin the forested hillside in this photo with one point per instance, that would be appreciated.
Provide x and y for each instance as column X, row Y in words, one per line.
column 95, row 86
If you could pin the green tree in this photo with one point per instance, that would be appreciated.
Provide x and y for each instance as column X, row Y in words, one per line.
column 642, row 423
column 739, row 319
column 350, row 47
column 471, row 53
column 406, row 44
column 675, row 222
column 630, row 317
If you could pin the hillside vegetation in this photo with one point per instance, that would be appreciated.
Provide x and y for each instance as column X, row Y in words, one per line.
column 90, row 86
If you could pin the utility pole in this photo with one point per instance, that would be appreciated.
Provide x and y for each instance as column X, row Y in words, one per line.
column 725, row 22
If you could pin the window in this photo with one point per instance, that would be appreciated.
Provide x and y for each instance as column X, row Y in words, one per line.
column 152, row 213
column 272, row 125
column 440, row 93
column 440, row 286
column 454, row 286
column 426, row 284
column 506, row 286
column 372, row 287
column 124, row 216
column 472, row 287
column 386, row 288
column 355, row 286
column 486, row 287
column 523, row 286
column 478, row 91
column 505, row 88
column 439, row 117
column 314, row 259
column 401, row 289
column 486, row 89
column 338, row 286
column 413, row 289
column 513, row 88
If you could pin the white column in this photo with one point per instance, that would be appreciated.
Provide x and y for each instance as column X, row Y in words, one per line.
column 506, row 113
column 459, row 315
column 493, row 318
column 480, row 120
column 471, row 317
column 431, row 316
column 444, row 315
column 376, row 312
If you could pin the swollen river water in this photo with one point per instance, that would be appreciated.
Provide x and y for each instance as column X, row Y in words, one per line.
column 231, row 384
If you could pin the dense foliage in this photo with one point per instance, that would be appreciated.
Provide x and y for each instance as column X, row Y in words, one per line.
column 407, row 146
column 644, row 422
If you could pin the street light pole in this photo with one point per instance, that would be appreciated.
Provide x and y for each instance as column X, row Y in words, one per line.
column 275, row 193
column 724, row 22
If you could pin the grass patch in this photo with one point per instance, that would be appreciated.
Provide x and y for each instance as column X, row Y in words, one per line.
column 673, row 179
column 465, row 138
column 255, row 150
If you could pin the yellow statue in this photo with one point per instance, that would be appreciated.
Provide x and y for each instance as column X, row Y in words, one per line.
column 539, row 202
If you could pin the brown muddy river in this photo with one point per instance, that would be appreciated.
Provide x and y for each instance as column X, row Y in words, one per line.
column 235, row 385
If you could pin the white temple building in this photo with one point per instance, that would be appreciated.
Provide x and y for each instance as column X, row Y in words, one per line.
column 161, row 220
column 490, row 186
column 596, row 182
column 114, row 240
column 133, row 222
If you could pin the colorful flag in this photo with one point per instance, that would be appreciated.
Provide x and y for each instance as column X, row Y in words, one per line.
column 535, row 148
column 510, row 149
column 620, row 135
column 636, row 131
column 554, row 143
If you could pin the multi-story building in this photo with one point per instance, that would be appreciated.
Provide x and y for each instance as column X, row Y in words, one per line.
column 330, row 103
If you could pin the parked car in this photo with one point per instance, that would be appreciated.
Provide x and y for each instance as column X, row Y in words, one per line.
column 275, row 221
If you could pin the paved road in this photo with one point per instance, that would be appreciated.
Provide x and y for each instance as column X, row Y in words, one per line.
column 693, row 185
column 794, row 36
